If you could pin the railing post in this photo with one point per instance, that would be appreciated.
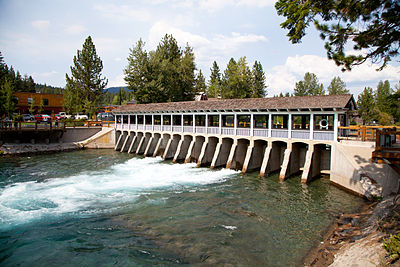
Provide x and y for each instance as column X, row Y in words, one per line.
column 194, row 123
column 235, row 122
column 251, row 124
column 269, row 125
column 363, row 133
column 220, row 123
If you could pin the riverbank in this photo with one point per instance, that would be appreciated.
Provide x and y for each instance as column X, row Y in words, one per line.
column 27, row 148
column 357, row 239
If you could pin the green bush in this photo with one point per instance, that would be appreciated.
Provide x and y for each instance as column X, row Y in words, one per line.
column 392, row 246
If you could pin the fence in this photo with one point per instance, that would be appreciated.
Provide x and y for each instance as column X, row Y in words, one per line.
column 360, row 133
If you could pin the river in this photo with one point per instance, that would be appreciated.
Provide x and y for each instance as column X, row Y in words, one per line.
column 101, row 207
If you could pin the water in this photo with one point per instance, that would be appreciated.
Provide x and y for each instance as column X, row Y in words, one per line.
column 100, row 207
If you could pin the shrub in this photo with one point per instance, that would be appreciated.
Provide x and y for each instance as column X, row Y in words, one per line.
column 392, row 246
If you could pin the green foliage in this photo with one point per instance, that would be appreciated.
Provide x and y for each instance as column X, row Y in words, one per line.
column 86, row 83
column 258, row 80
column 200, row 83
column 214, row 87
column 370, row 25
column 309, row 86
column 337, row 87
column 236, row 82
column 366, row 105
column 383, row 91
column 392, row 246
column 7, row 99
column 164, row 75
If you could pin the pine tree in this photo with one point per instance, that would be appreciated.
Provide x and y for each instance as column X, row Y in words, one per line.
column 7, row 99
column 366, row 106
column 258, row 80
column 337, row 87
column 383, row 91
column 86, row 84
column 214, row 87
column 200, row 82
column 166, row 74
column 309, row 86
column 236, row 82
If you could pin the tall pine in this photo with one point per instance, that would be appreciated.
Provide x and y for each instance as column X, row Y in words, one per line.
column 309, row 86
column 337, row 87
column 214, row 86
column 258, row 80
column 84, row 88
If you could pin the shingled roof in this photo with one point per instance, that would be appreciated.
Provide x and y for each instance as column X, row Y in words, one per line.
column 323, row 102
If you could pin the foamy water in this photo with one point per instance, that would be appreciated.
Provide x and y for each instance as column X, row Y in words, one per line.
column 101, row 191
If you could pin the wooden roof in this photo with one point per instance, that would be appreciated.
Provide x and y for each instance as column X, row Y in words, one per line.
column 324, row 102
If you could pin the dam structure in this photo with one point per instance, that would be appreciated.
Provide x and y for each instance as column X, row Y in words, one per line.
column 289, row 135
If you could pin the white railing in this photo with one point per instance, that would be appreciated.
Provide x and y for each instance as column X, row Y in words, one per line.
column 228, row 131
column 260, row 132
column 296, row 134
column 177, row 128
column 243, row 132
column 213, row 130
column 200, row 129
column 188, row 129
column 279, row 133
column 328, row 135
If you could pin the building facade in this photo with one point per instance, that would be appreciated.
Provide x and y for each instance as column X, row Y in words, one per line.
column 50, row 103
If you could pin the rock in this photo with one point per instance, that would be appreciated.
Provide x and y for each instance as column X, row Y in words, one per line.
column 355, row 222
column 345, row 220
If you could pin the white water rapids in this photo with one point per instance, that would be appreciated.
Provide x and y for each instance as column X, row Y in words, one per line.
column 101, row 191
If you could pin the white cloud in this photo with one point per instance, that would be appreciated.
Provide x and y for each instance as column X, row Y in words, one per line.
column 283, row 78
column 40, row 24
column 117, row 81
column 75, row 29
column 123, row 12
column 216, row 47
column 45, row 74
column 213, row 5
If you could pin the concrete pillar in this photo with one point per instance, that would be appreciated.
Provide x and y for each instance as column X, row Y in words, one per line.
column 132, row 144
column 248, row 156
column 172, row 147
column 266, row 159
column 306, row 175
column 216, row 153
column 178, row 150
column 203, row 151
column 140, row 144
column 126, row 144
column 167, row 148
column 148, row 146
column 118, row 142
column 285, row 164
column 231, row 154
column 157, row 146
column 190, row 149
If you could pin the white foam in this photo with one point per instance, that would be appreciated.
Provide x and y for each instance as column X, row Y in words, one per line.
column 99, row 191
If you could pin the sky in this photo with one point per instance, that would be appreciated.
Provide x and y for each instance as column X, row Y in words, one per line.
column 41, row 37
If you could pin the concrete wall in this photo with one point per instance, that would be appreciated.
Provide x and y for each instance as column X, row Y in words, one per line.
column 224, row 150
column 351, row 162
column 209, row 151
column 257, row 155
column 79, row 134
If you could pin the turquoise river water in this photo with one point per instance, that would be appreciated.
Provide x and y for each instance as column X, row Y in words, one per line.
column 101, row 208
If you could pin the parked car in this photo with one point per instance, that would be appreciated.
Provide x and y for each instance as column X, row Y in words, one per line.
column 57, row 117
column 81, row 117
column 64, row 115
column 28, row 117
column 42, row 118
column 105, row 116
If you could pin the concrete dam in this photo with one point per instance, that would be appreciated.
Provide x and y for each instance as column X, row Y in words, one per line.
column 289, row 135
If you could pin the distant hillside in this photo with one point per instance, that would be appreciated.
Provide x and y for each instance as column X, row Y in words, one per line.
column 114, row 90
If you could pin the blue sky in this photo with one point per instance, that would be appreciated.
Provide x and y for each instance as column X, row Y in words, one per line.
column 40, row 38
